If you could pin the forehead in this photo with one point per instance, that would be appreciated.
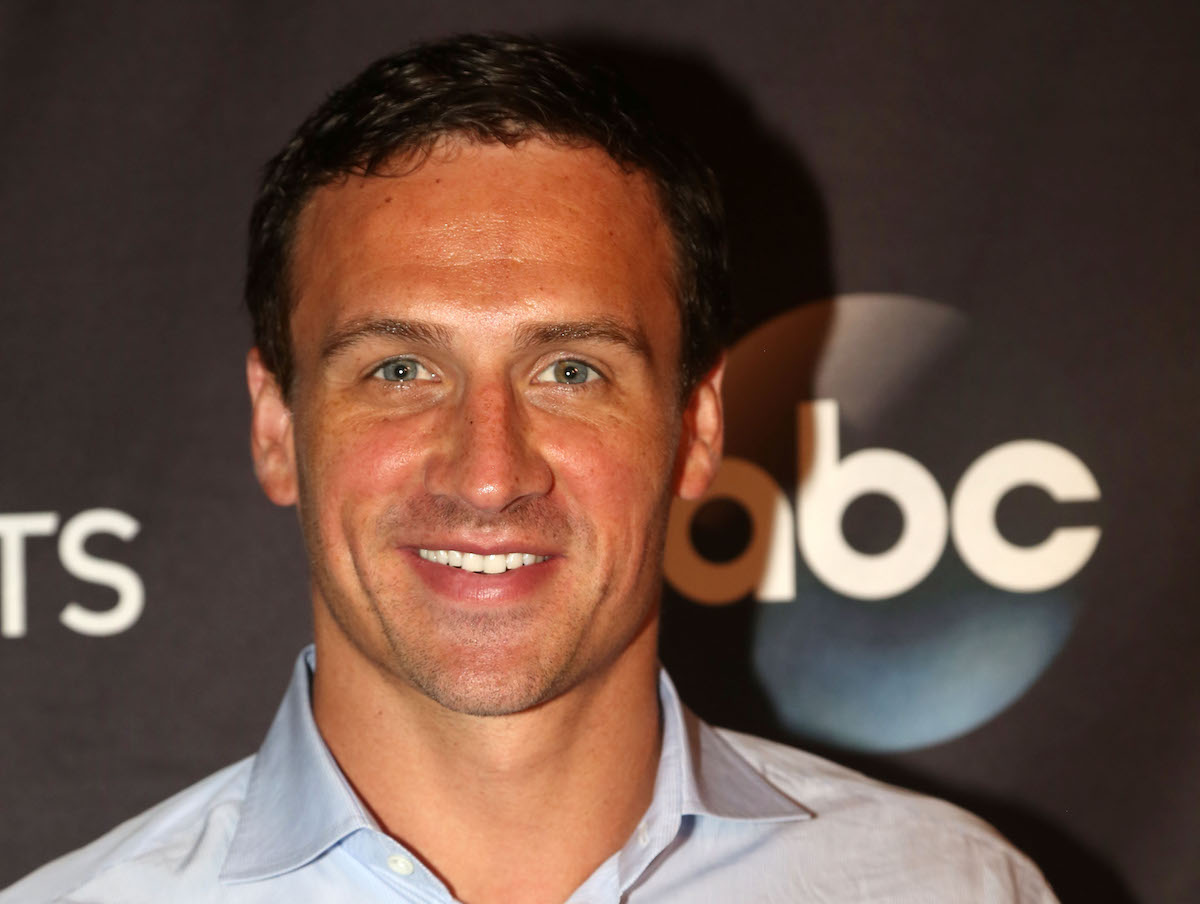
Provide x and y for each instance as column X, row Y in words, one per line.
column 487, row 226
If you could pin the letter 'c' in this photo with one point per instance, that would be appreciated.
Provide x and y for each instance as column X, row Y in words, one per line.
column 1022, row 569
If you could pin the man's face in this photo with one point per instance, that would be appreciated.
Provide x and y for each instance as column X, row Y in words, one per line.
column 486, row 430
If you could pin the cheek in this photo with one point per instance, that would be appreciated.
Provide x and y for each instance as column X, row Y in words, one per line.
column 356, row 464
column 619, row 477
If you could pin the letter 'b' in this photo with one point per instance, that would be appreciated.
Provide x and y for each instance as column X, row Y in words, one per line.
column 828, row 485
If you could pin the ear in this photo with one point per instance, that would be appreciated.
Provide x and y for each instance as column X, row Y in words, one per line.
column 703, row 435
column 272, row 445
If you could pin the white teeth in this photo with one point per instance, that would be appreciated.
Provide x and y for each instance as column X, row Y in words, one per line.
column 496, row 563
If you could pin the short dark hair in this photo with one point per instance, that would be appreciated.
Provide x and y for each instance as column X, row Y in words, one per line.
column 488, row 88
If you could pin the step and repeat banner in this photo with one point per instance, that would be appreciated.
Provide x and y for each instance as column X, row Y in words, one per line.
column 953, row 543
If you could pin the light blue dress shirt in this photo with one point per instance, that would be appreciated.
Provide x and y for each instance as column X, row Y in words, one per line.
column 734, row 820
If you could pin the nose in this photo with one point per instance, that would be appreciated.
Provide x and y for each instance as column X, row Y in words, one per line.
column 487, row 456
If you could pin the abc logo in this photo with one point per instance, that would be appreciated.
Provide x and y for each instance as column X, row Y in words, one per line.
column 946, row 617
column 829, row 483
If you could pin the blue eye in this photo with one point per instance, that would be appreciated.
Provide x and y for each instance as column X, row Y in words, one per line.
column 568, row 371
column 402, row 370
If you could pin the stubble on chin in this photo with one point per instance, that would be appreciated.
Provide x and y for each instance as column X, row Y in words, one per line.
column 487, row 664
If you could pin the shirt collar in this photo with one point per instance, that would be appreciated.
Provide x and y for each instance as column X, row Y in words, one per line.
column 714, row 779
column 700, row 777
column 298, row 803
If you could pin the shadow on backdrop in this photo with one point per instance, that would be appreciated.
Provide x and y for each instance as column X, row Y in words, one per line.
column 780, row 255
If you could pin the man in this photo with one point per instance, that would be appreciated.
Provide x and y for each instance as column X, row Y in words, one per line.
column 488, row 299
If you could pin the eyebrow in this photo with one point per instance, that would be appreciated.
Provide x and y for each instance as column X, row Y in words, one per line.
column 603, row 329
column 530, row 335
column 359, row 330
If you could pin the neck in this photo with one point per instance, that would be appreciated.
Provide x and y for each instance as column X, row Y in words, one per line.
column 494, row 805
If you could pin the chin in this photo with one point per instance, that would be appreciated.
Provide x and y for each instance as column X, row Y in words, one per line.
column 489, row 664
column 474, row 691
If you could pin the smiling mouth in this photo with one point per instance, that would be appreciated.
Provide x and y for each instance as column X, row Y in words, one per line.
column 497, row 563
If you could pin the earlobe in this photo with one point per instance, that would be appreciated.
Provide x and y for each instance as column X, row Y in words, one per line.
column 703, row 435
column 272, row 444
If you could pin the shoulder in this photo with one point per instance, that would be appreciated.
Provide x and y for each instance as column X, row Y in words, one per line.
column 878, row 829
column 185, row 837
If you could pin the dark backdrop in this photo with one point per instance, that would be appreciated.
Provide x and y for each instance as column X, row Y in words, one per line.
column 1015, row 185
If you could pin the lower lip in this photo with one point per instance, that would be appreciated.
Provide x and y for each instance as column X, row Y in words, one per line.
column 477, row 588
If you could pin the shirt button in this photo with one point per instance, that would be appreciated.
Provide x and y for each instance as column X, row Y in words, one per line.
column 643, row 835
column 400, row 865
